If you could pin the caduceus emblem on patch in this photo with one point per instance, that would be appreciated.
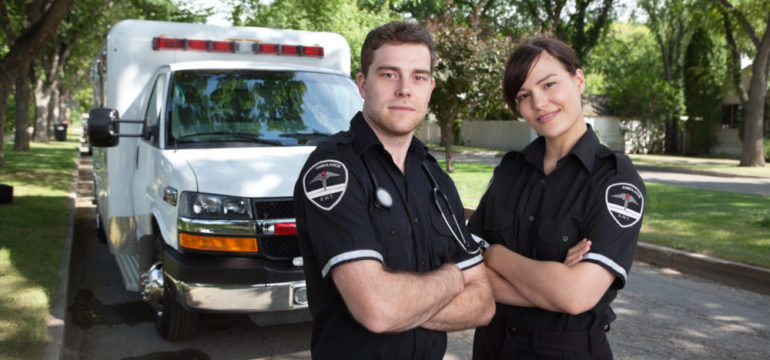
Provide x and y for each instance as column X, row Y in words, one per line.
column 325, row 183
column 625, row 203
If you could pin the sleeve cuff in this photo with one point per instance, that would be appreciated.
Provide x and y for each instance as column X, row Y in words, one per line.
column 348, row 256
column 608, row 263
column 467, row 264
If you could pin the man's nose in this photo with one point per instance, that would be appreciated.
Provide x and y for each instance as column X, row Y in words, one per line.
column 403, row 88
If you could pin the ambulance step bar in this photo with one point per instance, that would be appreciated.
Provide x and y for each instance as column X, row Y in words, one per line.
column 129, row 268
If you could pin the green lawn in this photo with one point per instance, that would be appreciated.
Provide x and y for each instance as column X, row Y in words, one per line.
column 726, row 225
column 32, row 232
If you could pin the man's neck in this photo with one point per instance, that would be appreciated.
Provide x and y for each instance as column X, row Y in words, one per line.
column 396, row 145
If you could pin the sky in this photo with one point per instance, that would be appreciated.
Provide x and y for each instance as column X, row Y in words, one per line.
column 220, row 10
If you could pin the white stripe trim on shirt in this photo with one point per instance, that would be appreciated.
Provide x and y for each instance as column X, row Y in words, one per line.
column 608, row 262
column 350, row 255
column 466, row 264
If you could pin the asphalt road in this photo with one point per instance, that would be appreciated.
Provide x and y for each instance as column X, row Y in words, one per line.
column 662, row 314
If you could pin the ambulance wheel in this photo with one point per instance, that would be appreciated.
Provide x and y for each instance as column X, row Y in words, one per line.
column 101, row 234
column 172, row 321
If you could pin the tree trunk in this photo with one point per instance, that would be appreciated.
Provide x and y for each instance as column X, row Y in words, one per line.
column 53, row 109
column 42, row 98
column 753, row 142
column 447, row 137
column 23, row 50
column 21, row 142
column 4, row 91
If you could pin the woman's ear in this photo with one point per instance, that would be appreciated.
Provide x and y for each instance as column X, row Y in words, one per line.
column 581, row 80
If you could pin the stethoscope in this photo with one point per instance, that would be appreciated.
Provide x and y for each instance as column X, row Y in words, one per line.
column 383, row 200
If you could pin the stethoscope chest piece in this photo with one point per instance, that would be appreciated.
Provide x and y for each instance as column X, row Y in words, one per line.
column 383, row 198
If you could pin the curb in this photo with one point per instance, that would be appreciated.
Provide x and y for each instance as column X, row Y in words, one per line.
column 744, row 276
column 58, row 310
column 735, row 274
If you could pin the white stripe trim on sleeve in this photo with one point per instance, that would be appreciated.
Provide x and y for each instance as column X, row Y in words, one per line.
column 470, row 262
column 350, row 255
column 607, row 261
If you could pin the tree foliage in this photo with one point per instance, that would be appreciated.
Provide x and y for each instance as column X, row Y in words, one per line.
column 703, row 79
column 340, row 16
column 469, row 67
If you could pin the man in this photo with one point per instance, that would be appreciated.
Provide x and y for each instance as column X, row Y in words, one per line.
column 389, row 264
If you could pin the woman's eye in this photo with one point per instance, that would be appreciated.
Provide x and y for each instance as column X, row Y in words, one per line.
column 522, row 97
column 549, row 84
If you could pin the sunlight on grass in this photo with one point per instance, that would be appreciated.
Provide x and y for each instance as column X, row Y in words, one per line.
column 31, row 242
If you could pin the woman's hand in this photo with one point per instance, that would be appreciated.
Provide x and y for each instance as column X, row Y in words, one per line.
column 575, row 254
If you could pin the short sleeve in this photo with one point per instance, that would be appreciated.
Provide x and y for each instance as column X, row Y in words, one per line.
column 333, row 202
column 614, row 222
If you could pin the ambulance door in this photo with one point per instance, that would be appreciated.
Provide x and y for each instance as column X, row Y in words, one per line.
column 146, row 184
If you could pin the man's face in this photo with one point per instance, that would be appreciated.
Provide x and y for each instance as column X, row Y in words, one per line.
column 397, row 88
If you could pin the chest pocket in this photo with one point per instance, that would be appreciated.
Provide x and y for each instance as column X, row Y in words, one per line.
column 554, row 238
column 500, row 229
column 395, row 236
column 442, row 245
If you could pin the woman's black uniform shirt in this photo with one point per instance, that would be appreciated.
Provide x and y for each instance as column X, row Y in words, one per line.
column 592, row 193
column 338, row 221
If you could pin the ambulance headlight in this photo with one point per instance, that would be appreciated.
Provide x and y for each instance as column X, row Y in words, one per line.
column 210, row 206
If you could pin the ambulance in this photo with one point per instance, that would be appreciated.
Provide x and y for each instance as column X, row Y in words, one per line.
column 199, row 133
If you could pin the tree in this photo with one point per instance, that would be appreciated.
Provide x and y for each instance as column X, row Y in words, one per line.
column 753, row 141
column 469, row 67
column 669, row 22
column 633, row 80
column 339, row 16
column 703, row 80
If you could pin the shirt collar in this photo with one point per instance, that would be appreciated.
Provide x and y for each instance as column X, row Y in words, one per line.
column 365, row 138
column 585, row 150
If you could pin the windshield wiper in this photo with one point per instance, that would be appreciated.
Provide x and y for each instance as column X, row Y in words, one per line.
column 250, row 137
column 312, row 135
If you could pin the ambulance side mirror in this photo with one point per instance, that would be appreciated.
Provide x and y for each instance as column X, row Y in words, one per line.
column 104, row 127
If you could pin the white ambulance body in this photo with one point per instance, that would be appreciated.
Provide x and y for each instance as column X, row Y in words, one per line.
column 200, row 132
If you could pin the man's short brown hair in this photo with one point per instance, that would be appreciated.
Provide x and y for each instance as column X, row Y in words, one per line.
column 395, row 32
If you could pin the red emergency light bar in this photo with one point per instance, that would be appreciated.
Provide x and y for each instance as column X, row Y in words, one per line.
column 163, row 43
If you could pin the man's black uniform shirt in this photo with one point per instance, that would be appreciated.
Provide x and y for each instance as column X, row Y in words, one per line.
column 339, row 221
column 592, row 193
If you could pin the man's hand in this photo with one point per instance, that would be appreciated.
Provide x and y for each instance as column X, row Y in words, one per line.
column 575, row 254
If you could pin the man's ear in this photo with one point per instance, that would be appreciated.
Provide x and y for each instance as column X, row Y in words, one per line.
column 361, row 80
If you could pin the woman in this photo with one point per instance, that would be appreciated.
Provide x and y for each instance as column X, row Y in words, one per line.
column 563, row 188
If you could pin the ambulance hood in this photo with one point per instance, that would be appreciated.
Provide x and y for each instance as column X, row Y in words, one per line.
column 248, row 171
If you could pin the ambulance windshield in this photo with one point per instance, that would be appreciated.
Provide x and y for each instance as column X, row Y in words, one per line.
column 213, row 108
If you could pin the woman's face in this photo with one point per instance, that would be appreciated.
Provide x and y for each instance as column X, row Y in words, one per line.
column 549, row 99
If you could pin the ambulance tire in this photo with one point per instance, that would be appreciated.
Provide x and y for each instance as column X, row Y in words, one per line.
column 173, row 322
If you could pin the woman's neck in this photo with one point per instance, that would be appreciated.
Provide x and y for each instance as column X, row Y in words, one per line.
column 558, row 147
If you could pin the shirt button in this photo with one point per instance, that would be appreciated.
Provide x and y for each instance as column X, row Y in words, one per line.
column 542, row 181
column 393, row 232
column 531, row 218
column 564, row 238
column 415, row 220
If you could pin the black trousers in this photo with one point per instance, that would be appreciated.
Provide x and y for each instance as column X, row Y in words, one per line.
column 515, row 343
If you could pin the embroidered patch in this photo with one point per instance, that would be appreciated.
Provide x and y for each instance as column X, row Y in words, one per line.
column 625, row 203
column 325, row 183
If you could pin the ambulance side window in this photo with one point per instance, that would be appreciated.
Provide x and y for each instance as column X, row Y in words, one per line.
column 154, row 106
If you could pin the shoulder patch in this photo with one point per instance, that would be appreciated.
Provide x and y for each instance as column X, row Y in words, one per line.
column 325, row 183
column 625, row 203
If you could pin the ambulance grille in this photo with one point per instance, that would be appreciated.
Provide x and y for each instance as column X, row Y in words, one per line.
column 277, row 247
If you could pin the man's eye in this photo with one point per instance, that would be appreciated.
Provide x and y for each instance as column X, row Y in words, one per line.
column 389, row 75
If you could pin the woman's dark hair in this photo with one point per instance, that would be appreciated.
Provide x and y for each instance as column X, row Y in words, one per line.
column 395, row 32
column 524, row 56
